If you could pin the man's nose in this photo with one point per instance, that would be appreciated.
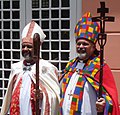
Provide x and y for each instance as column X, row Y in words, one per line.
column 81, row 46
column 26, row 48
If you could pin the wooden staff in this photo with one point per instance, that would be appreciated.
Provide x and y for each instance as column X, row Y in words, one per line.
column 36, row 53
column 102, row 37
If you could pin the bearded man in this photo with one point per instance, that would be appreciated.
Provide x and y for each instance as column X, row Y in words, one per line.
column 80, row 78
column 20, row 95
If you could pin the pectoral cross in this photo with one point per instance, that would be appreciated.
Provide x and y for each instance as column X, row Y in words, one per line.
column 70, row 94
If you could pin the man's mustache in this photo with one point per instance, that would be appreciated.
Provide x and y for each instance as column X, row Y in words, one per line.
column 81, row 50
column 25, row 53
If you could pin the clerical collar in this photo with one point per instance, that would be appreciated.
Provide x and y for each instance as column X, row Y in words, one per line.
column 80, row 65
column 28, row 64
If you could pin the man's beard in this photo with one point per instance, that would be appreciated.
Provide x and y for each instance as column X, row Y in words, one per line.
column 27, row 55
column 82, row 56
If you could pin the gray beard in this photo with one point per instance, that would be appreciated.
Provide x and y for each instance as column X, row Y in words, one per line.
column 27, row 56
column 82, row 56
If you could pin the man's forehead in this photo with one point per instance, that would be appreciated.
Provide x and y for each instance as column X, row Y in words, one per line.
column 84, row 40
column 26, row 44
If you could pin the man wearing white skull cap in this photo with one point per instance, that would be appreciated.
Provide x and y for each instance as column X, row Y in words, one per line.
column 20, row 95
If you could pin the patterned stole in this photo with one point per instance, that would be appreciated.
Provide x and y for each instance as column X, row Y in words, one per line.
column 14, row 105
column 87, row 74
column 77, row 96
column 91, row 68
column 33, row 98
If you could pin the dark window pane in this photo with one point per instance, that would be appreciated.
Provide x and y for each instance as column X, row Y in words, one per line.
column 0, row 54
column 6, row 4
column 1, row 101
column 0, row 44
column 0, row 4
column 63, row 65
column 65, row 24
column 55, row 56
column 7, row 64
column 7, row 55
column 55, row 13
column 0, row 64
column 16, row 55
column 35, row 14
column 16, row 45
column 55, row 45
column 15, row 15
column 64, row 56
column 6, row 14
column 47, row 35
column 65, row 14
column 0, row 35
column 65, row 3
column 54, row 3
column 6, row 81
column 45, row 24
column 37, row 22
column 45, row 14
column 0, row 25
column 6, row 25
column 65, row 35
column 15, row 4
column 55, row 35
column 0, row 14
column 15, row 25
column 7, row 45
column 35, row 3
column 55, row 24
column 45, row 55
column 1, row 72
column 1, row 92
column 45, row 3
column 56, row 64
column 6, row 34
column 65, row 46
column 15, row 35
column 45, row 46
column 1, row 83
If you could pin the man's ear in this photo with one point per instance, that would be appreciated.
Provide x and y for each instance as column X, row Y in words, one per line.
column 94, row 46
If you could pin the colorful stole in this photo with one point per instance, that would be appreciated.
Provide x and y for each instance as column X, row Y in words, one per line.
column 14, row 105
column 88, row 73
column 33, row 98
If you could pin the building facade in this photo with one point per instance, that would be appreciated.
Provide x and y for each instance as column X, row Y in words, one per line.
column 57, row 18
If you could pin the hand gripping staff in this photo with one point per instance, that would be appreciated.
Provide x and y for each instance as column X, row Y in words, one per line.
column 102, row 39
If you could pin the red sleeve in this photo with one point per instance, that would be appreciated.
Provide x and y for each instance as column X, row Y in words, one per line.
column 110, row 86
